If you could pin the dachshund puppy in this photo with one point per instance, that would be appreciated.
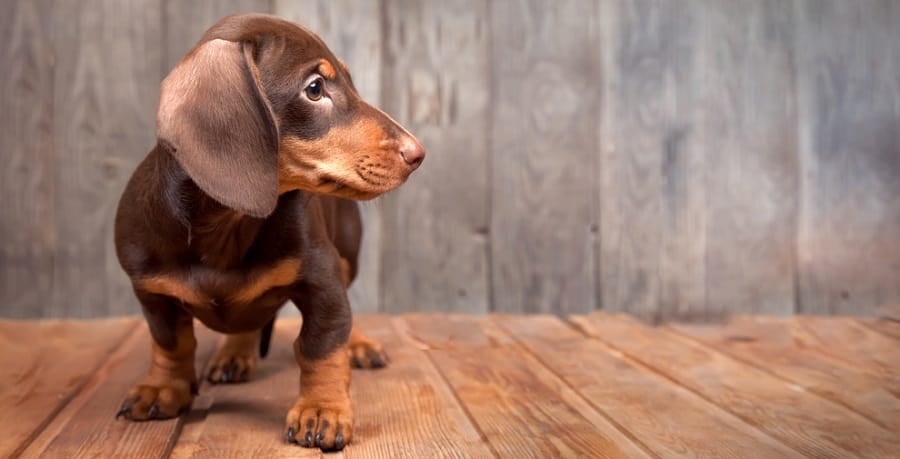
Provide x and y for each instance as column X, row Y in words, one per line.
column 246, row 202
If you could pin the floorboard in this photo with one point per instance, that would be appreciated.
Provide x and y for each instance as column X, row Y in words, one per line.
column 771, row 346
column 39, row 386
column 521, row 407
column 651, row 407
column 808, row 423
column 484, row 386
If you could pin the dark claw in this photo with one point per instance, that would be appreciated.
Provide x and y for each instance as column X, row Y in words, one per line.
column 307, row 441
column 356, row 362
column 377, row 362
column 123, row 411
column 319, row 437
column 338, row 441
column 245, row 376
column 289, row 436
column 226, row 375
column 152, row 412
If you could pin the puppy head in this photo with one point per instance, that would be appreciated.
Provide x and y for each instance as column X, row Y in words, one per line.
column 260, row 106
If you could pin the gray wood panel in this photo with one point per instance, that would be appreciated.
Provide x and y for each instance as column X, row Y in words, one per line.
column 436, row 82
column 107, row 68
column 750, row 154
column 27, row 229
column 185, row 22
column 848, row 81
column 652, row 198
column 668, row 158
column 544, row 115
column 352, row 30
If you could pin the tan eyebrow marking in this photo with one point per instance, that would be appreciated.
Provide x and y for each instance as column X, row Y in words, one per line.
column 326, row 69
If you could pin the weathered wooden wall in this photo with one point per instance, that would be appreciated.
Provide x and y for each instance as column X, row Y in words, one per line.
column 668, row 158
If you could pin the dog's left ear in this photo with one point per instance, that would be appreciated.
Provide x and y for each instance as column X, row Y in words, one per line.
column 215, row 119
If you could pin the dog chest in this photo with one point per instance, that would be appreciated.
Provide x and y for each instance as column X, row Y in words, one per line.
column 226, row 294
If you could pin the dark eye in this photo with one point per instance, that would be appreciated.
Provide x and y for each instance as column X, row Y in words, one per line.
column 314, row 90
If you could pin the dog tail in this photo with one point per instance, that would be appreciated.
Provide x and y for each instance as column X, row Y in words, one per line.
column 266, row 338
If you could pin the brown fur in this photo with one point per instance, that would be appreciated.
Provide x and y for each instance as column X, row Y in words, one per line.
column 246, row 203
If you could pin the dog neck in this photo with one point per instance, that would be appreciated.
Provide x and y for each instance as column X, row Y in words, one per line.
column 218, row 236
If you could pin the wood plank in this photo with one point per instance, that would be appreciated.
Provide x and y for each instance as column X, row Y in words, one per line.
column 750, row 155
column 884, row 326
column 27, row 179
column 353, row 32
column 665, row 417
column 889, row 312
column 87, row 426
column 848, row 62
column 770, row 344
column 185, row 22
column 874, row 352
column 810, row 424
column 436, row 82
column 45, row 364
column 405, row 410
column 247, row 420
column 542, row 131
column 520, row 406
column 408, row 410
column 105, row 94
column 652, row 202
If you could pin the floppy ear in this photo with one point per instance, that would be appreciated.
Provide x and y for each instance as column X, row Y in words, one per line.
column 216, row 120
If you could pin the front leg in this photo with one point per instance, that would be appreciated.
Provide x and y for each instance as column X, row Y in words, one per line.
column 323, row 415
column 170, row 384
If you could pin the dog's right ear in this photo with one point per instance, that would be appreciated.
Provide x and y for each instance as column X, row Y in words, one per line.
column 215, row 119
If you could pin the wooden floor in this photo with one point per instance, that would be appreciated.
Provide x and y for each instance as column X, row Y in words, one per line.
column 499, row 386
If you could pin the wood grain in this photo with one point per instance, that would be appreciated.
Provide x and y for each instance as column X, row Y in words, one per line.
column 544, row 114
column 749, row 142
column 27, row 229
column 45, row 364
column 105, row 94
column 810, row 424
column 185, row 22
column 247, row 420
column 436, row 82
column 887, row 327
column 848, row 87
column 855, row 344
column 88, row 427
column 408, row 410
column 650, row 407
column 652, row 200
column 771, row 345
column 352, row 30
column 405, row 410
column 521, row 407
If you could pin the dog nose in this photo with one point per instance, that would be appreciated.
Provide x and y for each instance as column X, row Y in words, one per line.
column 412, row 152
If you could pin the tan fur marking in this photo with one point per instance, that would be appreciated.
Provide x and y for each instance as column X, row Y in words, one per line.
column 326, row 69
column 354, row 161
column 345, row 272
column 244, row 288
column 284, row 273
column 174, row 287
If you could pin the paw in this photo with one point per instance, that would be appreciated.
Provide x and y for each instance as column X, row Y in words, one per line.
column 236, row 360
column 157, row 401
column 231, row 365
column 317, row 425
column 367, row 354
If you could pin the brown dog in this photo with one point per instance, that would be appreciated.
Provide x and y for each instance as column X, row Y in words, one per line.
column 243, row 205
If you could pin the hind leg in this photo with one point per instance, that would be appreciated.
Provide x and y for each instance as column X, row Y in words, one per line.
column 236, row 360
column 364, row 352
